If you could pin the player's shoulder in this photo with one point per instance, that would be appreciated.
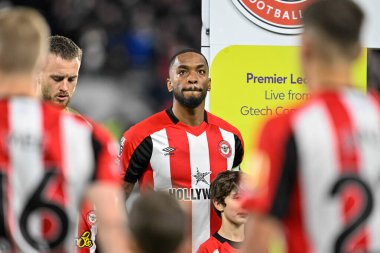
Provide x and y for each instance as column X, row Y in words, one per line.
column 98, row 131
column 209, row 246
column 282, row 124
column 279, row 126
column 79, row 121
column 215, row 120
column 76, row 120
column 319, row 102
column 52, row 111
column 54, row 115
column 148, row 126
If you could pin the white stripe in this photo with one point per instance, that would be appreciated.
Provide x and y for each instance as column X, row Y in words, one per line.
column 319, row 171
column 78, row 159
column 216, row 251
column 94, row 231
column 160, row 161
column 26, row 161
column 230, row 138
column 366, row 120
column 199, row 163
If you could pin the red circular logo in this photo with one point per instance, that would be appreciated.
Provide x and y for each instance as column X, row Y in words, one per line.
column 279, row 16
column 225, row 149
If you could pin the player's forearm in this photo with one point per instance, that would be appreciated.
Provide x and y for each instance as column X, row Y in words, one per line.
column 260, row 232
column 112, row 238
column 112, row 228
column 112, row 220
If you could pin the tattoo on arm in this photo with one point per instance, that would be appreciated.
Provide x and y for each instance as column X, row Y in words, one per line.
column 128, row 188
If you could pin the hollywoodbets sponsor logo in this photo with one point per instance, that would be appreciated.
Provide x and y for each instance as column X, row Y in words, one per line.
column 278, row 16
column 85, row 240
column 189, row 194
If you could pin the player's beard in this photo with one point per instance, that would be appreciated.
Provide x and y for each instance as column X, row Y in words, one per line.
column 46, row 96
column 192, row 101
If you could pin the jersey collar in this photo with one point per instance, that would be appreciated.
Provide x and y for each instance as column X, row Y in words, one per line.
column 221, row 239
column 175, row 120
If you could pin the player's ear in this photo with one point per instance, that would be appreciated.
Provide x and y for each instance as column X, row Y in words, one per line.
column 306, row 48
column 169, row 84
column 218, row 206
column 356, row 51
column 209, row 84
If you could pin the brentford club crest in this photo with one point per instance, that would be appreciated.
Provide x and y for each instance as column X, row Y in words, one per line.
column 91, row 218
column 279, row 16
column 225, row 149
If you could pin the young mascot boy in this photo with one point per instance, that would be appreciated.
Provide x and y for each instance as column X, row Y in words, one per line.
column 225, row 199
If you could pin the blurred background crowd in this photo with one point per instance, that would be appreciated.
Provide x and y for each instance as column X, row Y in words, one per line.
column 127, row 45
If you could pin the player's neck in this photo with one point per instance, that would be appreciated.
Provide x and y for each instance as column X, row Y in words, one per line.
column 232, row 232
column 12, row 85
column 189, row 116
column 330, row 77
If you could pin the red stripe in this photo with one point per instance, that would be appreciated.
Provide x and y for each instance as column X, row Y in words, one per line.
column 376, row 98
column 53, row 160
column 218, row 163
column 84, row 229
column 180, row 168
column 5, row 168
column 348, row 157
column 4, row 129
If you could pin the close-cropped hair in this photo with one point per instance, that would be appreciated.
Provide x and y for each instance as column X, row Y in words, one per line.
column 184, row 51
column 338, row 21
column 224, row 183
column 157, row 223
column 23, row 39
column 64, row 48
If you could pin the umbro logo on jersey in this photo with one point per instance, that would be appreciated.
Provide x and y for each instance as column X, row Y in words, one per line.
column 168, row 151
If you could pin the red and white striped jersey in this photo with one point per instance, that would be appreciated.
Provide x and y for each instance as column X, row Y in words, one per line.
column 47, row 160
column 165, row 154
column 219, row 244
column 87, row 229
column 321, row 174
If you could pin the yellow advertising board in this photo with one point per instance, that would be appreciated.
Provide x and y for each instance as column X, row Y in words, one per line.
column 250, row 83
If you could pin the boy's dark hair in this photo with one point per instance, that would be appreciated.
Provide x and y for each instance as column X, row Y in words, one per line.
column 339, row 21
column 187, row 50
column 157, row 223
column 64, row 48
column 224, row 183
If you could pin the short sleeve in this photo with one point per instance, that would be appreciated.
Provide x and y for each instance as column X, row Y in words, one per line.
column 134, row 157
column 239, row 151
